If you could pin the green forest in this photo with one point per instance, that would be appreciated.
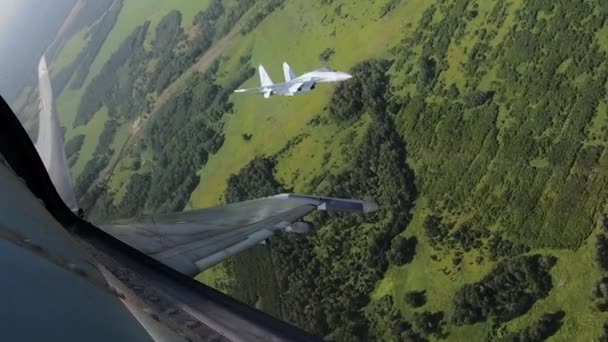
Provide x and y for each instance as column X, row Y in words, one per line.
column 480, row 128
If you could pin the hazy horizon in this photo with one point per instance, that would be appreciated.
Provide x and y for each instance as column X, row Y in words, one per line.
column 22, row 44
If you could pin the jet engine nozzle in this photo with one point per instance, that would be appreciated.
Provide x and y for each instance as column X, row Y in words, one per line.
column 300, row 227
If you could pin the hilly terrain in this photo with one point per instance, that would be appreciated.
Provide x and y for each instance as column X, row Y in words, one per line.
column 479, row 127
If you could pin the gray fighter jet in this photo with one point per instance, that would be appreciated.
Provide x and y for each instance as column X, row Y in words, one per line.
column 294, row 84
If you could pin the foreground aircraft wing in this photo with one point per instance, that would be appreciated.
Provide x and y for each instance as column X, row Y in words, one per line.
column 194, row 241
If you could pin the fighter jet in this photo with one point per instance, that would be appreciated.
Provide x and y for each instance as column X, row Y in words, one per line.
column 294, row 84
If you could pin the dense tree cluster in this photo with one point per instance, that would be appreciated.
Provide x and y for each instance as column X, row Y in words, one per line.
column 133, row 202
column 170, row 63
column 416, row 299
column 72, row 148
column 261, row 14
column 499, row 247
column 235, row 13
column 175, row 51
column 508, row 291
column 604, row 336
column 402, row 250
column 368, row 91
column 183, row 133
column 437, row 231
column 97, row 37
column 78, row 70
column 547, row 326
column 99, row 161
column 88, row 177
column 599, row 294
column 468, row 237
column 430, row 323
column 602, row 251
column 358, row 260
column 115, row 86
column 386, row 322
column 254, row 181
column 528, row 70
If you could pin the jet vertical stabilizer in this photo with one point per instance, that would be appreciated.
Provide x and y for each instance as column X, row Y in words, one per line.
column 265, row 80
column 50, row 139
column 289, row 74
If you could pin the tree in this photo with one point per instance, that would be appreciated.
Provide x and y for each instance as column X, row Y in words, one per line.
column 402, row 250
column 602, row 251
column 547, row 326
column 416, row 299
column 430, row 323
column 436, row 230
column 599, row 294
column 254, row 181
column 508, row 291
column 326, row 54
column 368, row 90
column 428, row 71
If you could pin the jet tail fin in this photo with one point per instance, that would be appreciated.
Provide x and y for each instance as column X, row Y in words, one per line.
column 265, row 80
column 50, row 140
column 289, row 74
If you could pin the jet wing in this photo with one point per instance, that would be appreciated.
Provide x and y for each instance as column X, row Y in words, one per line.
column 258, row 90
column 196, row 240
column 262, row 90
column 295, row 87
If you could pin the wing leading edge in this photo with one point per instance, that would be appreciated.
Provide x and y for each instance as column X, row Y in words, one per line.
column 193, row 241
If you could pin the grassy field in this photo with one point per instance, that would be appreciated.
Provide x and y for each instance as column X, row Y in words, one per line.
column 133, row 14
column 215, row 277
column 575, row 273
column 573, row 277
column 91, row 132
column 70, row 51
column 297, row 34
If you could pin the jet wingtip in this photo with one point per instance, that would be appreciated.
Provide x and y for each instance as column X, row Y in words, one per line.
column 370, row 206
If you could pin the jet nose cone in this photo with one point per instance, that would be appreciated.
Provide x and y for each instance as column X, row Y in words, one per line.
column 344, row 76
